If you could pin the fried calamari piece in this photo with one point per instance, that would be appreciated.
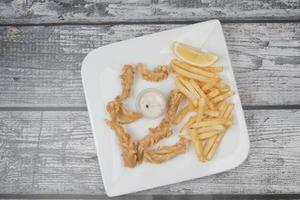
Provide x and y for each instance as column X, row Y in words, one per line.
column 127, row 77
column 163, row 130
column 174, row 100
column 116, row 108
column 154, row 136
column 159, row 73
column 163, row 154
column 128, row 147
column 119, row 113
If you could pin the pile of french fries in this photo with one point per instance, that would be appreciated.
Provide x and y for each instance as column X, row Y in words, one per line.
column 207, row 96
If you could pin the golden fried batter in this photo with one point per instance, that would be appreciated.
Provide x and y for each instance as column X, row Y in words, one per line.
column 119, row 113
column 129, row 148
column 163, row 154
column 127, row 78
column 131, row 152
column 174, row 100
column 159, row 73
column 154, row 136
column 163, row 129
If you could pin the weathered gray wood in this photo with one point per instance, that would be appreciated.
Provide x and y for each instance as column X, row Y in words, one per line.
column 53, row 152
column 75, row 197
column 158, row 197
column 40, row 66
column 223, row 197
column 104, row 11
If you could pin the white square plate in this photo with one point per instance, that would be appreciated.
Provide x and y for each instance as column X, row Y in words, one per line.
column 100, row 75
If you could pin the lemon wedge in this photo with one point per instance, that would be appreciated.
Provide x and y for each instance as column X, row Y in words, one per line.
column 193, row 56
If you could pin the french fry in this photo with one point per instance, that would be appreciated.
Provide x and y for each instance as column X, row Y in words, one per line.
column 187, row 137
column 185, row 91
column 194, row 69
column 229, row 121
column 209, row 134
column 189, row 123
column 215, row 69
column 189, row 86
column 202, row 94
column 226, row 114
column 224, row 90
column 211, row 113
column 191, row 106
column 212, row 122
column 201, row 84
column 204, row 142
column 191, row 75
column 222, row 103
column 211, row 128
column 208, row 86
column 228, row 111
column 182, row 114
column 222, row 87
column 214, row 92
column 225, row 122
column 197, row 145
column 215, row 146
column 222, row 109
column 209, row 144
column 231, row 118
column 222, row 97
column 201, row 108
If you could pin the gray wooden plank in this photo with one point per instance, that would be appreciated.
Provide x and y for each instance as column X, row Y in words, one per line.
column 78, row 197
column 40, row 66
column 155, row 197
column 107, row 11
column 53, row 153
column 73, row 197
column 224, row 197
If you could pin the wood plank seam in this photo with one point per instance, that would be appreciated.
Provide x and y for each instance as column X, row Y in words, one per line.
column 151, row 22
column 83, row 108
column 153, row 197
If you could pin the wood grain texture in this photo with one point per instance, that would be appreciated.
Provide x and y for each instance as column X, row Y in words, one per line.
column 109, row 11
column 154, row 197
column 224, row 197
column 53, row 152
column 76, row 197
column 40, row 66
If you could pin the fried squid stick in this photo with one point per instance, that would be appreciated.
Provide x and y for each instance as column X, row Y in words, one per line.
column 163, row 154
column 119, row 113
column 159, row 73
column 161, row 131
column 128, row 147
column 174, row 100
column 127, row 78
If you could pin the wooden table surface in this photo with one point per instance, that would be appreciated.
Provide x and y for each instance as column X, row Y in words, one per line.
column 46, row 145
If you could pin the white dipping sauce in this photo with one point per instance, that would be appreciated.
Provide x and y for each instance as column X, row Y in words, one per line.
column 151, row 103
